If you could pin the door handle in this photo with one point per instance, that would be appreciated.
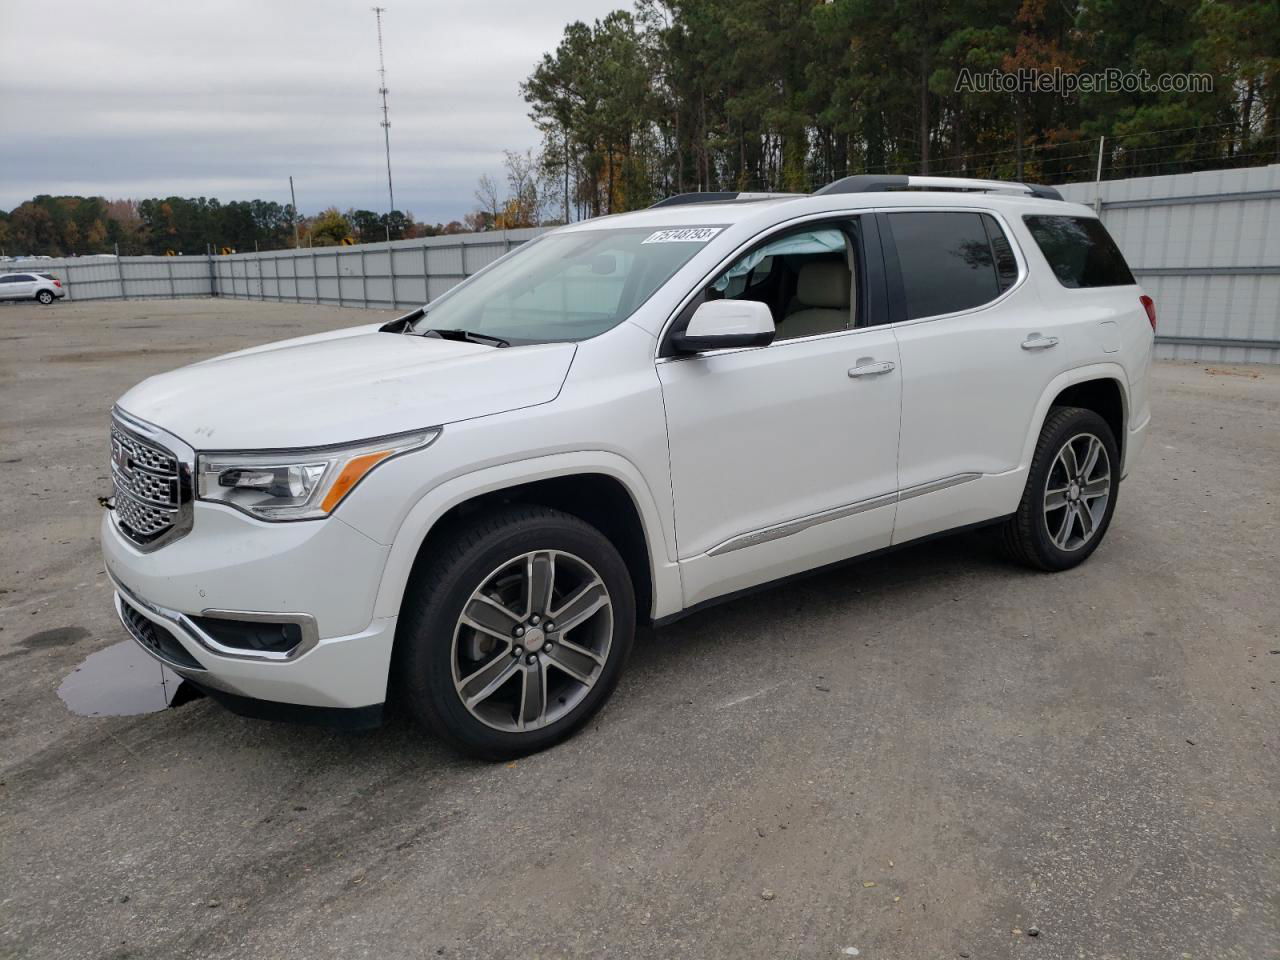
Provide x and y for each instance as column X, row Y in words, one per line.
column 1037, row 342
column 872, row 369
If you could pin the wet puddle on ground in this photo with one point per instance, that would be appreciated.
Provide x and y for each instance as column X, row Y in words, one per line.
column 123, row 681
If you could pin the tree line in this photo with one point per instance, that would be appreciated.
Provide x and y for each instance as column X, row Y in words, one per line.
column 82, row 226
column 684, row 95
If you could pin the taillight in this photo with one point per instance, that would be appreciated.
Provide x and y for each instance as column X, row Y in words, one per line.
column 1149, row 305
column 58, row 284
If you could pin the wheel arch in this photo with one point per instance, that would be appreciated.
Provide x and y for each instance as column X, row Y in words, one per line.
column 1101, row 387
column 606, row 491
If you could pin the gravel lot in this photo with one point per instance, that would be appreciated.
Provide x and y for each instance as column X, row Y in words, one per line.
column 923, row 756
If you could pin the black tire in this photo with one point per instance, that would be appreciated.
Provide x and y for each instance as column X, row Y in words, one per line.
column 45, row 297
column 441, row 586
column 1026, row 536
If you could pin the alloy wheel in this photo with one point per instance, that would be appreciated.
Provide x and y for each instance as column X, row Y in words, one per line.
column 1077, row 491
column 532, row 640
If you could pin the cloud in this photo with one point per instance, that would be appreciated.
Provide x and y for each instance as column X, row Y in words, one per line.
column 229, row 99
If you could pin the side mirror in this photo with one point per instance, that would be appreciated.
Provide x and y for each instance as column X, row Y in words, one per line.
column 718, row 324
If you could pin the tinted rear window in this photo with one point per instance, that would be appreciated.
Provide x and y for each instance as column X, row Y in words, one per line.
column 1080, row 251
column 948, row 262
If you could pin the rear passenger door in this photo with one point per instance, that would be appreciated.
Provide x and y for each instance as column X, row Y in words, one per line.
column 978, row 349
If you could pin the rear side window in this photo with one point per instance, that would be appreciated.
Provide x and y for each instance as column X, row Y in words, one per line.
column 951, row 261
column 1080, row 251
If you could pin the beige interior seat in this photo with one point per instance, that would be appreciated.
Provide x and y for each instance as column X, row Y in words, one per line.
column 823, row 294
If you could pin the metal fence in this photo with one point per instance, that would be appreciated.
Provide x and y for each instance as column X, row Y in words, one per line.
column 402, row 273
column 123, row 278
column 399, row 274
column 1205, row 245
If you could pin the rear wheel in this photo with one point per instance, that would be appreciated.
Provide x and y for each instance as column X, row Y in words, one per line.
column 45, row 297
column 1070, row 494
column 515, row 633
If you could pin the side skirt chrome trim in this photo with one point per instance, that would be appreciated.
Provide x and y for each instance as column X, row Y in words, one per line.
column 790, row 527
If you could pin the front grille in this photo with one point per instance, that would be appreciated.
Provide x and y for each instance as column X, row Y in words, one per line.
column 155, row 637
column 150, row 500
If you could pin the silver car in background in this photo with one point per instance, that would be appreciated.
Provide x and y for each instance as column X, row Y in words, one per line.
column 31, row 286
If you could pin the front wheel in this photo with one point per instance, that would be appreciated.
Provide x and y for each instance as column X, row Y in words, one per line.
column 1070, row 494
column 45, row 297
column 515, row 632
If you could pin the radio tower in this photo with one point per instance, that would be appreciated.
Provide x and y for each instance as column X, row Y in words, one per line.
column 386, row 119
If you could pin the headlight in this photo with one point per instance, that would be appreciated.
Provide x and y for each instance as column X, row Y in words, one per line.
column 297, row 484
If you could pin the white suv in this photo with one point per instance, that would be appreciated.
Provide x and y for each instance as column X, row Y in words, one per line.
column 43, row 287
column 470, row 508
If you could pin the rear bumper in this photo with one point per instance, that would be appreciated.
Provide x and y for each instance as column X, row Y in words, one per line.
column 1134, row 444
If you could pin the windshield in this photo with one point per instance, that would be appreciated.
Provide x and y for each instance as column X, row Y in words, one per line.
column 567, row 286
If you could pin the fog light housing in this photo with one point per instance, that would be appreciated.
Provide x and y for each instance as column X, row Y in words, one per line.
column 252, row 637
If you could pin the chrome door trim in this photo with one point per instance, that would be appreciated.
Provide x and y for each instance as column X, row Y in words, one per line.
column 788, row 528
column 933, row 486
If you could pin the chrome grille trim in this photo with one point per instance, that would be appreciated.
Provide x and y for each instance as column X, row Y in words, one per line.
column 151, row 473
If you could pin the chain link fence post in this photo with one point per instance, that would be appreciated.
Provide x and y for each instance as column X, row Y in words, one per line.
column 426, row 276
column 391, row 271
column 364, row 281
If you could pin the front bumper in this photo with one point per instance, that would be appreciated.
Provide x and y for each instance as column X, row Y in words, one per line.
column 323, row 575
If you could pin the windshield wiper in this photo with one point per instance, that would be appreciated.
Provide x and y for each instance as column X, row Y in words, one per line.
column 469, row 336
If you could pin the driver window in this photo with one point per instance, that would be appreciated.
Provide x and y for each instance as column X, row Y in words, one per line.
column 806, row 278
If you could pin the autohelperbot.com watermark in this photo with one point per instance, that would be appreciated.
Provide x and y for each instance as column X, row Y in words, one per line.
column 1065, row 83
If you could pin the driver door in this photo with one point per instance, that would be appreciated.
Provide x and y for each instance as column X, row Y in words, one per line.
column 784, row 458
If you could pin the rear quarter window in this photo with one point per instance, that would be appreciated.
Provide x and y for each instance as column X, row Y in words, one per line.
column 1080, row 251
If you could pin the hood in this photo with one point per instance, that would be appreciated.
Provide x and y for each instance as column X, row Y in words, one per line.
column 342, row 386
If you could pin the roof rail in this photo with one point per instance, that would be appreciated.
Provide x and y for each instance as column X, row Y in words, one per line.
column 876, row 183
column 716, row 196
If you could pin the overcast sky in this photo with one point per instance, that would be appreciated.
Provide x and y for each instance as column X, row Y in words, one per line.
column 228, row 98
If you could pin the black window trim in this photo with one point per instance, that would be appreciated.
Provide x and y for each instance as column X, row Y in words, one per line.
column 873, row 266
column 897, row 297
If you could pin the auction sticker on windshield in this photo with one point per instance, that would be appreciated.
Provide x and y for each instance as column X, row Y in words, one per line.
column 683, row 235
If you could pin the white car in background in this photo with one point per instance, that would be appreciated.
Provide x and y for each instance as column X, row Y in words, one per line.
column 31, row 286
column 470, row 508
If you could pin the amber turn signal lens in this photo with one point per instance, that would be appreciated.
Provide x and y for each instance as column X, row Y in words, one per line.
column 356, row 468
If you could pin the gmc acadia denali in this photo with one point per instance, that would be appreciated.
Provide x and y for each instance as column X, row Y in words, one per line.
column 470, row 508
